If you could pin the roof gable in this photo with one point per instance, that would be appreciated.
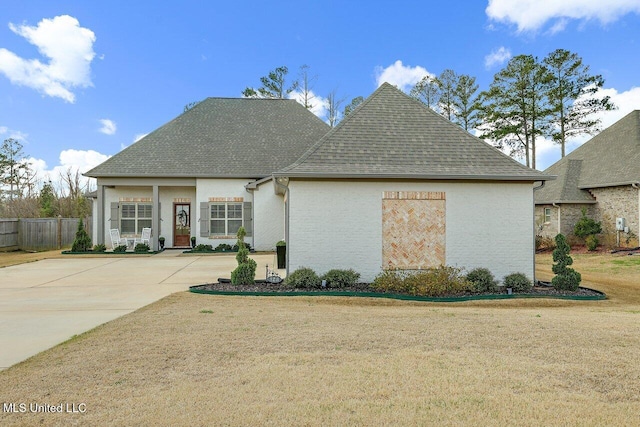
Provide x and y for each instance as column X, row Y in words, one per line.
column 608, row 159
column 392, row 135
column 221, row 137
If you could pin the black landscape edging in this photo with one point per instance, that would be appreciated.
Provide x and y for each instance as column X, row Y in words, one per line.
column 599, row 297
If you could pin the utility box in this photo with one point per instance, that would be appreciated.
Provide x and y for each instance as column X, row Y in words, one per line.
column 620, row 224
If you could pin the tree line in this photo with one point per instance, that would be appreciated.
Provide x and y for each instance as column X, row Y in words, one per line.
column 529, row 98
column 22, row 195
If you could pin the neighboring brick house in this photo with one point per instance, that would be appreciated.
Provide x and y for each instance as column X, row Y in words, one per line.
column 601, row 176
column 395, row 185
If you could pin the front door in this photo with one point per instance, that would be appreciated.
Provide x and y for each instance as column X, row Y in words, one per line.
column 181, row 224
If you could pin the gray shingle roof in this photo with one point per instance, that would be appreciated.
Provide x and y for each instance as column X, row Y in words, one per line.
column 391, row 135
column 221, row 137
column 608, row 159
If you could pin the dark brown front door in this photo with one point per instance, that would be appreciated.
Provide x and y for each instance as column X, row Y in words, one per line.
column 181, row 224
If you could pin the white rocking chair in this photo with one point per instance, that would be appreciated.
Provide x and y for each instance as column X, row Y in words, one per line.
column 116, row 240
column 144, row 237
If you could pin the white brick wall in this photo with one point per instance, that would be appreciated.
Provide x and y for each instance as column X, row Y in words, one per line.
column 338, row 224
column 268, row 217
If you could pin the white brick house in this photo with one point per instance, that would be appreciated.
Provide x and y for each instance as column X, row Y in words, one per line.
column 396, row 185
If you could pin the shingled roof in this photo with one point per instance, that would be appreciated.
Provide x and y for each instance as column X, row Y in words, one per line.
column 221, row 137
column 391, row 135
column 609, row 159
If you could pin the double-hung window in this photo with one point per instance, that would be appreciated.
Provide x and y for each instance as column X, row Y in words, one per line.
column 547, row 214
column 134, row 217
column 226, row 218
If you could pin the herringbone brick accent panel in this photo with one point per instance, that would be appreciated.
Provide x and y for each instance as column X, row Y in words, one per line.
column 413, row 233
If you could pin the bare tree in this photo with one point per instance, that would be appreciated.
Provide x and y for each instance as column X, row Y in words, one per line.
column 333, row 108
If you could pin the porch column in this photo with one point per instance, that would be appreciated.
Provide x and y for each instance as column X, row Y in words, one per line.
column 155, row 218
column 100, row 215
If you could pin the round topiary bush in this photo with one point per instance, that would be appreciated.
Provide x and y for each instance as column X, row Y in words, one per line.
column 341, row 278
column 518, row 282
column 303, row 278
column 482, row 280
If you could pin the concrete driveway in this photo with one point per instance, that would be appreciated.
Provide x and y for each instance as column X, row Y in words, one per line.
column 47, row 302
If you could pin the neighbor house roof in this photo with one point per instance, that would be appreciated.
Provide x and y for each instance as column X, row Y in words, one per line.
column 609, row 159
column 391, row 135
column 221, row 137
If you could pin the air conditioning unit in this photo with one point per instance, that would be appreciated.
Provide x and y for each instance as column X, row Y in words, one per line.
column 620, row 224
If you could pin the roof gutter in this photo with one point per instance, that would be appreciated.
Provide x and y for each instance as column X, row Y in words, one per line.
column 542, row 184
column 312, row 175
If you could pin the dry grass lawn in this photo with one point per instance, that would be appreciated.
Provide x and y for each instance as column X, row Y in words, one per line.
column 249, row 361
column 20, row 257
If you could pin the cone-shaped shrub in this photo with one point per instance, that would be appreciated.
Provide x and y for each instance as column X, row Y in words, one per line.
column 566, row 278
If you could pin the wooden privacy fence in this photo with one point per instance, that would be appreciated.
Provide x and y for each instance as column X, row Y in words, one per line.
column 39, row 234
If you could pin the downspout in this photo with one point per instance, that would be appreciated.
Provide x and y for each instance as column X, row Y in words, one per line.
column 283, row 185
column 534, row 228
column 253, row 214
column 555, row 205
column 636, row 185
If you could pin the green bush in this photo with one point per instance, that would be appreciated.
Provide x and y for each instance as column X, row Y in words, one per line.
column 236, row 247
column 100, row 247
column 303, row 278
column 518, row 282
column 341, row 278
column 586, row 226
column 120, row 249
column 592, row 242
column 482, row 280
column 281, row 243
column 223, row 247
column 141, row 248
column 202, row 248
column 566, row 278
column 82, row 242
column 245, row 273
column 443, row 280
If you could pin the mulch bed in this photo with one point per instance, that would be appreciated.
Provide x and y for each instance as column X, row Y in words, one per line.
column 542, row 289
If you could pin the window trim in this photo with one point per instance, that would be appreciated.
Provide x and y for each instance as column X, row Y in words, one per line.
column 547, row 215
column 135, row 219
column 226, row 218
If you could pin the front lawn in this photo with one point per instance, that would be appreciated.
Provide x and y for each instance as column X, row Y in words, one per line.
column 235, row 360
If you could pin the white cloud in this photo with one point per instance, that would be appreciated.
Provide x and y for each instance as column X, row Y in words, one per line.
column 497, row 57
column 68, row 48
column 70, row 160
column 318, row 103
column 397, row 74
column 139, row 136
column 531, row 15
column 108, row 127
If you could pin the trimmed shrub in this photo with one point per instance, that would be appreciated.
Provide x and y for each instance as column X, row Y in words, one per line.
column 391, row 280
column 303, row 278
column 341, row 278
column 518, row 282
column 566, row 278
column 482, row 279
column 222, row 247
column 440, row 281
column 281, row 243
column 202, row 248
column 236, row 247
column 82, row 242
column 120, row 249
column 245, row 273
column 141, row 248
column 592, row 242
column 586, row 226
column 100, row 247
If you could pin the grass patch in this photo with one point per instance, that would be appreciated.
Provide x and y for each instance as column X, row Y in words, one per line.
column 206, row 311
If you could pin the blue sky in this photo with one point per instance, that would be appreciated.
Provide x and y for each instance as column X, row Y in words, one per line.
column 81, row 80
